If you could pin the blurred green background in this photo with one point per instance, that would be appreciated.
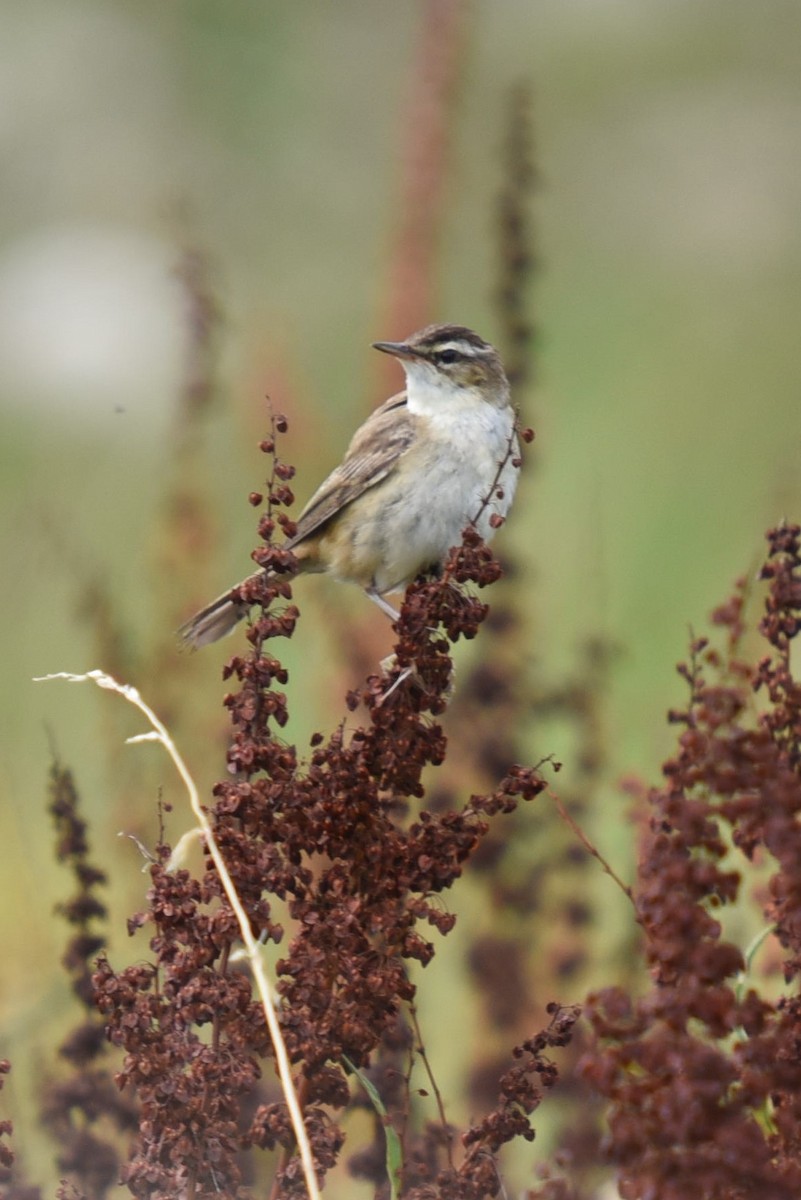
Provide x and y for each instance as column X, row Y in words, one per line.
column 272, row 136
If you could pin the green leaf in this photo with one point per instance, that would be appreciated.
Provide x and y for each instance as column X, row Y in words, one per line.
column 394, row 1155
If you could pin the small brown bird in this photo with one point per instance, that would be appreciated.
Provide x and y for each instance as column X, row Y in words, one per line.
column 435, row 458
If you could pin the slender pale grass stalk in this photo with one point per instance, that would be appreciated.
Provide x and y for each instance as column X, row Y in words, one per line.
column 159, row 733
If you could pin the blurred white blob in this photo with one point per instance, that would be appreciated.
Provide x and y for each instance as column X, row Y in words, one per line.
column 91, row 325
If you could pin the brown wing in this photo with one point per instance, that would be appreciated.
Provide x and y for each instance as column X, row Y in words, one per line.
column 371, row 456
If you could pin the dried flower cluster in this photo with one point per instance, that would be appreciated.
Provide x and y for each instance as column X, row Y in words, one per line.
column 83, row 1111
column 6, row 1129
column 703, row 1073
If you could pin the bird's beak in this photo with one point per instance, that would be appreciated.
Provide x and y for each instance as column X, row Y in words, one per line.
column 397, row 349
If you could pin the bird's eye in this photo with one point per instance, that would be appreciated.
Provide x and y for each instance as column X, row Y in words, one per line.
column 448, row 356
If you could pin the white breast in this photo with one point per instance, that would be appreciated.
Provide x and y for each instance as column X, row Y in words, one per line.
column 461, row 461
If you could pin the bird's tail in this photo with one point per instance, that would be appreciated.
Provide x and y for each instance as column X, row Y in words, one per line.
column 215, row 620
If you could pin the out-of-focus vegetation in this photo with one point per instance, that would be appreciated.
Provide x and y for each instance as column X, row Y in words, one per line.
column 277, row 141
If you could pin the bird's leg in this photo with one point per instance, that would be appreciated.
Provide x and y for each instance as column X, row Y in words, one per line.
column 389, row 664
column 383, row 604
